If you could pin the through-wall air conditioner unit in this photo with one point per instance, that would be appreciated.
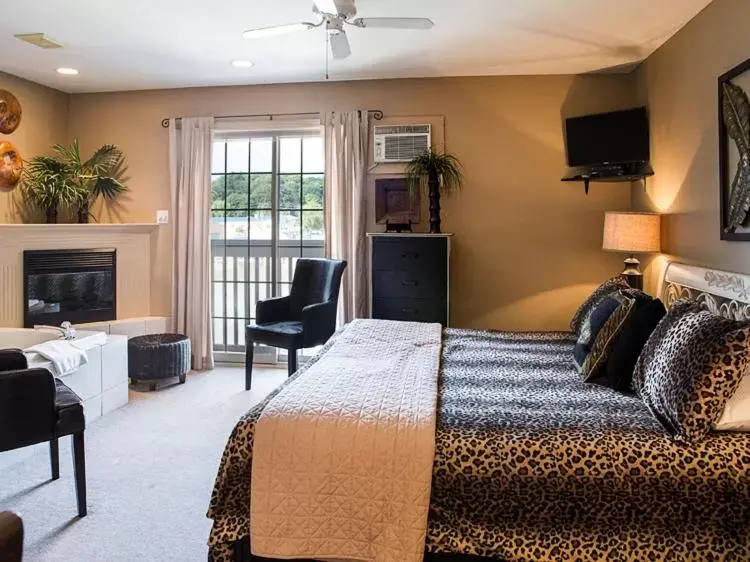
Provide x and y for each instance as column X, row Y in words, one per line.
column 401, row 143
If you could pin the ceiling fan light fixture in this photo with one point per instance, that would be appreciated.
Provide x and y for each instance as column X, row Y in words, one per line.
column 276, row 30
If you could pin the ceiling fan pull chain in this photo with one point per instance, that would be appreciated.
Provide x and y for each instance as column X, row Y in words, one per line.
column 328, row 39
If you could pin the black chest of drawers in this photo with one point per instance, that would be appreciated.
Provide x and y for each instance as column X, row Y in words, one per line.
column 409, row 277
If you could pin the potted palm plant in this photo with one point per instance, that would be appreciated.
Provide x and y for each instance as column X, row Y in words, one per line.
column 442, row 173
column 48, row 184
column 99, row 176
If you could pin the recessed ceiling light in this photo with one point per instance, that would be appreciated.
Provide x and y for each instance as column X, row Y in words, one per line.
column 242, row 63
column 67, row 71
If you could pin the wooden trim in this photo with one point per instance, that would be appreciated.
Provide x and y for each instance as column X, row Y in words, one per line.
column 88, row 228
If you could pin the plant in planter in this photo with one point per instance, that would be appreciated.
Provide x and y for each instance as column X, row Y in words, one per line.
column 442, row 173
column 48, row 184
column 99, row 176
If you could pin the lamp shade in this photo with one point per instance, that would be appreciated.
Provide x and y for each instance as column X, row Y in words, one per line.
column 634, row 233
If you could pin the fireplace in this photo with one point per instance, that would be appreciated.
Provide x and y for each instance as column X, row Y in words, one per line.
column 73, row 285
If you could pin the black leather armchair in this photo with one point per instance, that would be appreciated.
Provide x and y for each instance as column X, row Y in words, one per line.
column 34, row 408
column 305, row 318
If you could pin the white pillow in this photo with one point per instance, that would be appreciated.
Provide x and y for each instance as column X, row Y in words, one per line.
column 736, row 416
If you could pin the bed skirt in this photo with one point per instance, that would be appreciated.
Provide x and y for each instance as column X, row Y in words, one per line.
column 240, row 552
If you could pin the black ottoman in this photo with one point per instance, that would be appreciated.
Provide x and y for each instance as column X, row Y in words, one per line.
column 158, row 356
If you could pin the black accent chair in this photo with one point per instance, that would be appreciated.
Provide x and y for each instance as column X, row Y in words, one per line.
column 36, row 407
column 305, row 318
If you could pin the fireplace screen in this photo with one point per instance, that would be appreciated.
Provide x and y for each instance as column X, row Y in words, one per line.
column 73, row 285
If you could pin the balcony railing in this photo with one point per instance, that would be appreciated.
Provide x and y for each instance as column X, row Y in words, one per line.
column 242, row 274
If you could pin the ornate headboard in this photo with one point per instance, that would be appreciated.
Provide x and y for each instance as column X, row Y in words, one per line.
column 722, row 292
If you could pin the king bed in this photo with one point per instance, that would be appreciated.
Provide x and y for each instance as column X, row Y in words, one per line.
column 527, row 462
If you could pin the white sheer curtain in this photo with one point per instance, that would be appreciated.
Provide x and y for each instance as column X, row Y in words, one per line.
column 346, row 143
column 190, row 176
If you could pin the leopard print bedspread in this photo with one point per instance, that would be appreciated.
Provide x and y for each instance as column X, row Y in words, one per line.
column 532, row 464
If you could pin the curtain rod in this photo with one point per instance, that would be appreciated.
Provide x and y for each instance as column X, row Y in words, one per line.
column 376, row 114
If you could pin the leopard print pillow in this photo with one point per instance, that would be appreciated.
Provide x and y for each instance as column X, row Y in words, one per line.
column 678, row 309
column 605, row 289
column 689, row 368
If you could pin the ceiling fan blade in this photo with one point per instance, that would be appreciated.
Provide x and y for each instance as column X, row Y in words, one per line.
column 340, row 48
column 394, row 23
column 277, row 30
column 326, row 6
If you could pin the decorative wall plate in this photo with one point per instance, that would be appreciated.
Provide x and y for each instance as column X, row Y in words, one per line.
column 10, row 112
column 11, row 165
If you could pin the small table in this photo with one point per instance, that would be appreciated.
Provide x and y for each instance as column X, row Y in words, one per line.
column 157, row 357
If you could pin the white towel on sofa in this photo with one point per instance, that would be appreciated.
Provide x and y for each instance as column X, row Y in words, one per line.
column 65, row 356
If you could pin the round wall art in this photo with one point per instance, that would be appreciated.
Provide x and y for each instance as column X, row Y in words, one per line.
column 10, row 112
column 11, row 165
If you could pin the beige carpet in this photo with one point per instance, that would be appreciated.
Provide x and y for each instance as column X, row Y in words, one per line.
column 150, row 470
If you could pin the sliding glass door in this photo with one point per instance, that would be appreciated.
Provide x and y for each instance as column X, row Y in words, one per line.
column 267, row 211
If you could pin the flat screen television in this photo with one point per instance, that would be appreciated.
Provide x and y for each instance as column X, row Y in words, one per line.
column 619, row 137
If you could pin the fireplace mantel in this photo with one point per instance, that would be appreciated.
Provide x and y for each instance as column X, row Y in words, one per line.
column 133, row 243
column 88, row 228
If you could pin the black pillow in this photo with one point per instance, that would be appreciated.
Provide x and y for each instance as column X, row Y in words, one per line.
column 640, row 297
column 591, row 327
column 618, row 374
column 609, row 287
column 599, row 345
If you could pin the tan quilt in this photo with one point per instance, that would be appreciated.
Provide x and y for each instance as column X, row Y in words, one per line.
column 342, row 459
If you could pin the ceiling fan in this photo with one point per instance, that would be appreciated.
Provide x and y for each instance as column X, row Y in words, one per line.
column 335, row 14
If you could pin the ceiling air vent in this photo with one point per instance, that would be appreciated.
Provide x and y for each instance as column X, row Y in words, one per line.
column 400, row 143
column 39, row 40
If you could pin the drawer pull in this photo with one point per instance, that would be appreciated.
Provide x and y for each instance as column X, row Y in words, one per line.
column 409, row 283
column 409, row 310
column 410, row 255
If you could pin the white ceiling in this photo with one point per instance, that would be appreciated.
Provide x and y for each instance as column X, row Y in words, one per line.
column 141, row 44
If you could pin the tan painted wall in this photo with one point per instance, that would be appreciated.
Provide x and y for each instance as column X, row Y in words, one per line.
column 44, row 122
column 527, row 247
column 679, row 84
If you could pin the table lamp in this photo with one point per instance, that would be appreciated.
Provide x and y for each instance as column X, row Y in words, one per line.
column 632, row 233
